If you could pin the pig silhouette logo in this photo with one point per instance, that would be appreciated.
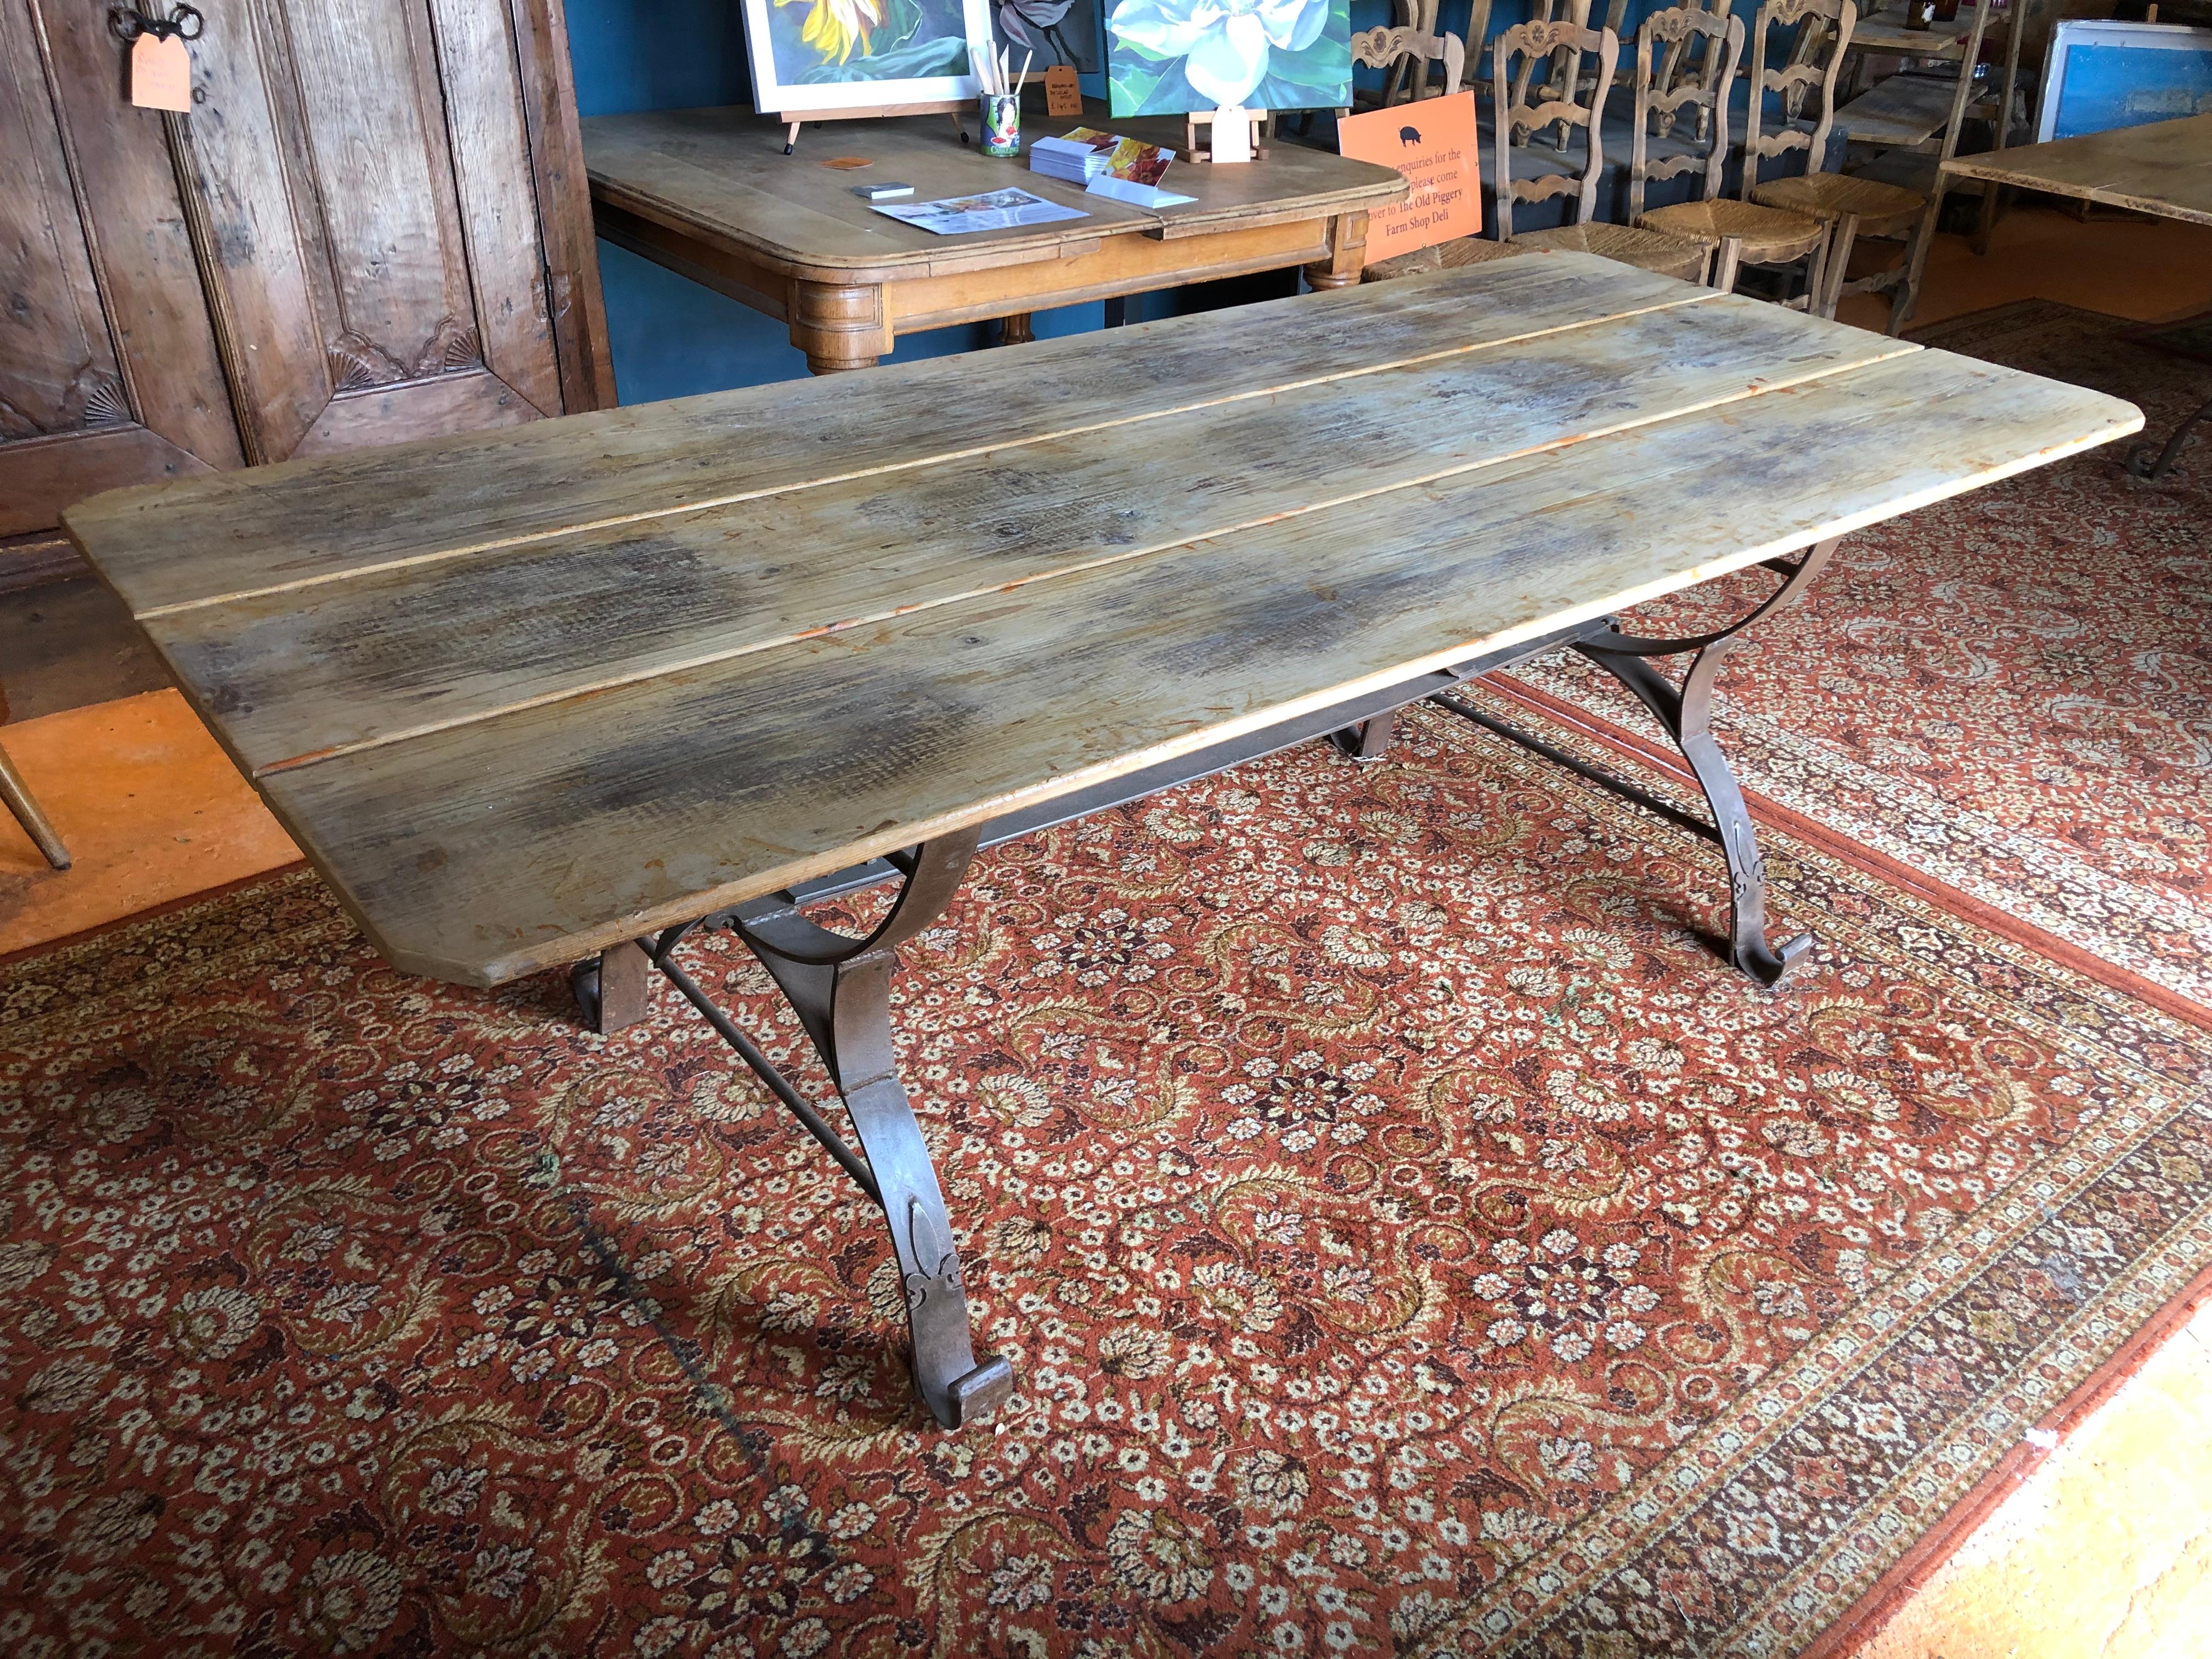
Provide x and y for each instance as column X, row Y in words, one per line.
column 1409, row 135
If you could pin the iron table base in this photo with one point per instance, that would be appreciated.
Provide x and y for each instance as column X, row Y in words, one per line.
column 839, row 986
column 2153, row 464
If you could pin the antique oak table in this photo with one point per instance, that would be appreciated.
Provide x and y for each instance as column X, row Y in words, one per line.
column 710, row 194
column 578, row 689
column 2164, row 168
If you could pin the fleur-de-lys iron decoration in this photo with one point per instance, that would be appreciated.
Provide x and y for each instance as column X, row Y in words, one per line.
column 183, row 23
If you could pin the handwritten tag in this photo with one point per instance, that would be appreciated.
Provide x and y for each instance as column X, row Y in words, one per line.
column 1232, row 134
column 1063, row 92
column 161, row 74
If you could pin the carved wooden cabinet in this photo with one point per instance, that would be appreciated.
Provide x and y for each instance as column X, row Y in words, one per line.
column 373, row 224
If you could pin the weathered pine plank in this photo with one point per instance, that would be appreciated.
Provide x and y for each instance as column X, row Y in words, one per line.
column 391, row 655
column 495, row 849
column 284, row 527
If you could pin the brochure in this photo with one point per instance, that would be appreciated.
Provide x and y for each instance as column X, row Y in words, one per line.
column 997, row 210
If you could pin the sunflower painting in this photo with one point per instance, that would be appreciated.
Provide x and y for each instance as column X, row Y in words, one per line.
column 853, row 54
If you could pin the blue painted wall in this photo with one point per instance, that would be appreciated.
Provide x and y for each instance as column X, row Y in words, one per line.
column 671, row 338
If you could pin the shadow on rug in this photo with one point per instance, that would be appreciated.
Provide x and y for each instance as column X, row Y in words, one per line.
column 2010, row 691
column 1407, row 1239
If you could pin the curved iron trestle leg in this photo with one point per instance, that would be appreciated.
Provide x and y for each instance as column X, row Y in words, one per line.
column 1686, row 712
column 2140, row 461
column 840, row 987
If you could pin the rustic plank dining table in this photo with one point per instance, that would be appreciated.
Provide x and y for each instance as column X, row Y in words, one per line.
column 2163, row 168
column 709, row 194
column 569, row 693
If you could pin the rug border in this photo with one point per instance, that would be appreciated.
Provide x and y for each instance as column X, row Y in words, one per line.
column 1866, row 1618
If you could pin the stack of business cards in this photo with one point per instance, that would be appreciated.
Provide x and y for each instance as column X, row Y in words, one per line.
column 1077, row 157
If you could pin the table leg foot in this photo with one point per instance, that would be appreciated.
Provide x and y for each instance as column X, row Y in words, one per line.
column 838, row 326
column 614, row 989
column 1685, row 711
column 1370, row 739
column 2151, row 464
column 840, row 987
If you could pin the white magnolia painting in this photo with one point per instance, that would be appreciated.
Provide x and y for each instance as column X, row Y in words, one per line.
column 1164, row 56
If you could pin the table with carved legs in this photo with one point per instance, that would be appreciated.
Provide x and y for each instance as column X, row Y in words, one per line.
column 709, row 194
column 566, row 696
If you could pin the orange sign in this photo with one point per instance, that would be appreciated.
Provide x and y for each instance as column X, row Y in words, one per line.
column 1432, row 143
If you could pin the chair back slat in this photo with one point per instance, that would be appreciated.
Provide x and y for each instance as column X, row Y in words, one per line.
column 1559, row 102
column 1401, row 47
column 1703, row 88
column 1822, row 31
column 1543, row 189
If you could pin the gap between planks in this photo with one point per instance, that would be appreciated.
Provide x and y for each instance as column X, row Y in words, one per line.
column 1888, row 352
column 734, row 498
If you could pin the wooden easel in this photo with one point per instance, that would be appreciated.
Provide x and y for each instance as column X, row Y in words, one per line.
column 955, row 107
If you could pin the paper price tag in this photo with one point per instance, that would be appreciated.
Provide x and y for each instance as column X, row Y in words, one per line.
column 161, row 74
column 1063, row 92
column 1232, row 134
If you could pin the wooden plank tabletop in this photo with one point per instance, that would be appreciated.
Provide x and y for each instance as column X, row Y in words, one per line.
column 720, row 176
column 521, row 695
column 1885, row 32
column 2164, row 168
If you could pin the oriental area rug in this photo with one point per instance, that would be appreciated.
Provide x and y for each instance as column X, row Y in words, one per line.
column 1407, row 1238
column 2010, row 691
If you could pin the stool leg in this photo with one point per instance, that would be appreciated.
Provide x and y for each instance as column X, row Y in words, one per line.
column 1843, row 233
column 17, row 794
column 1906, row 296
column 1731, row 251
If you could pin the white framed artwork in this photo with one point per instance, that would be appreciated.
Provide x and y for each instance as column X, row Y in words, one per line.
column 849, row 56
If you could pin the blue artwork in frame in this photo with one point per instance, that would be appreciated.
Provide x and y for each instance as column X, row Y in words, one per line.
column 2103, row 75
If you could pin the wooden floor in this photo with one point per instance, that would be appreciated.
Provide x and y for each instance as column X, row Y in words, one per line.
column 151, row 810
column 2106, row 1550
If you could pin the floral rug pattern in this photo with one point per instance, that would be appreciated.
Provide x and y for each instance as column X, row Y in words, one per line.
column 1407, row 1237
column 2011, row 691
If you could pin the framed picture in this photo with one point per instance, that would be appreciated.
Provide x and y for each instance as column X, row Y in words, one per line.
column 858, row 55
column 1171, row 57
column 2100, row 75
column 1058, row 31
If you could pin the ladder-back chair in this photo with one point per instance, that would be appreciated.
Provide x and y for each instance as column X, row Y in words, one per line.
column 1857, row 207
column 1846, row 204
column 1746, row 232
column 1583, row 63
